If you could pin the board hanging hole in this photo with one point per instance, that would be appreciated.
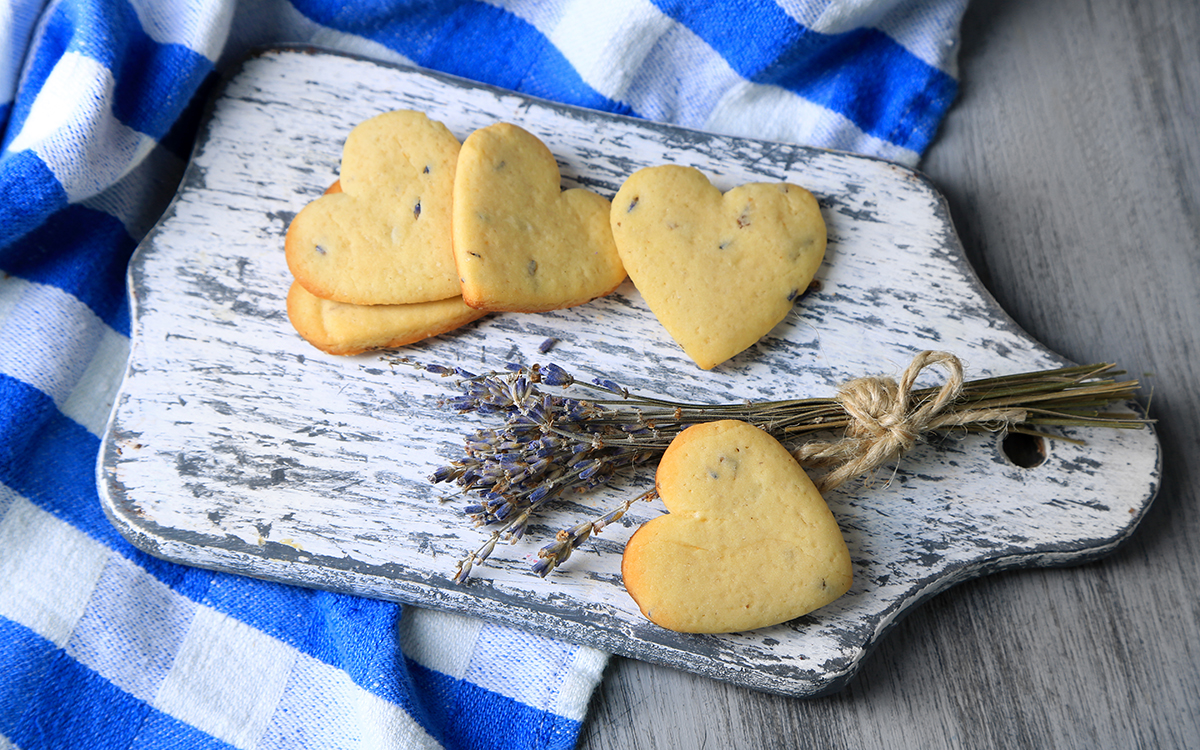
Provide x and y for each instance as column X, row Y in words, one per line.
column 1026, row 451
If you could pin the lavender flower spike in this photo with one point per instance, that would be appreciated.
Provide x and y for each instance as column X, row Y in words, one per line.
column 554, row 375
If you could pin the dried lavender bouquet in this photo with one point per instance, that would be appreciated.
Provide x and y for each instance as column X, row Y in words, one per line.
column 580, row 435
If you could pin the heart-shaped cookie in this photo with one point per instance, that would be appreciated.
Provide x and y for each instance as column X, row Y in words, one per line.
column 748, row 542
column 718, row 271
column 521, row 243
column 342, row 328
column 383, row 237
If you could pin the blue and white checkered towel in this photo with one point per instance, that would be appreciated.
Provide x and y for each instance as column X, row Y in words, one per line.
column 102, row 646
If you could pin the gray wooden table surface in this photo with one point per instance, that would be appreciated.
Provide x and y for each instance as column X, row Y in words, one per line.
column 1071, row 163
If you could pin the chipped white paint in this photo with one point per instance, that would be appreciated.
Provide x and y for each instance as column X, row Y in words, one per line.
column 235, row 445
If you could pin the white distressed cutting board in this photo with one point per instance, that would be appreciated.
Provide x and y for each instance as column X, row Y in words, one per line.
column 235, row 445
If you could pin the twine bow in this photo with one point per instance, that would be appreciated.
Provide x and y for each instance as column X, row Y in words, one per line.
column 885, row 420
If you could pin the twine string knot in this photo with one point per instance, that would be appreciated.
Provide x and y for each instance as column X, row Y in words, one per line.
column 886, row 419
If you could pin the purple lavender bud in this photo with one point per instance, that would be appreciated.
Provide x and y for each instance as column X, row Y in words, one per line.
column 537, row 415
column 439, row 370
column 487, row 550
column 520, row 388
column 590, row 470
column 464, row 570
column 555, row 375
column 511, row 461
column 543, row 566
column 475, row 389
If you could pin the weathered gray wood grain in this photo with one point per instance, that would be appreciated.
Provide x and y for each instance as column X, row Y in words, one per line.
column 235, row 445
column 1071, row 163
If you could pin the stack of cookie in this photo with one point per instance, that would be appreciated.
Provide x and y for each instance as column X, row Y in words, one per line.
column 372, row 259
column 421, row 235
